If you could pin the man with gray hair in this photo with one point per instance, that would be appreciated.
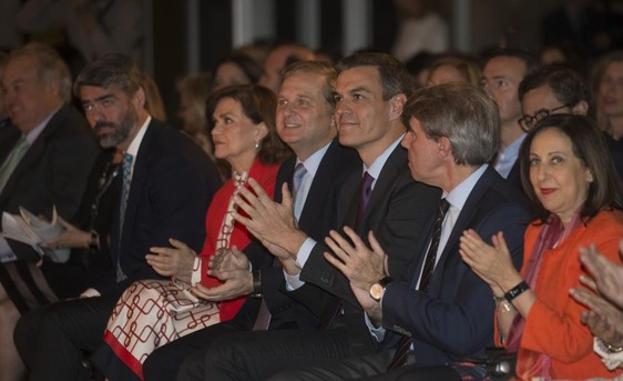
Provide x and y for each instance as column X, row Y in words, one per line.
column 46, row 153
column 163, row 187
column 444, row 312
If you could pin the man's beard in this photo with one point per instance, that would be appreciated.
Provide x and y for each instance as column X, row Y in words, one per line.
column 121, row 130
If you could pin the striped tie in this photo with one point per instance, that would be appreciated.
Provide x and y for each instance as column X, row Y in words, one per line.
column 126, row 168
column 13, row 160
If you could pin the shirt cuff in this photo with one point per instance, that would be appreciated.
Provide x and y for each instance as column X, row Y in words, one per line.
column 195, row 276
column 90, row 293
column 304, row 252
column 6, row 254
column 610, row 360
column 377, row 332
column 293, row 282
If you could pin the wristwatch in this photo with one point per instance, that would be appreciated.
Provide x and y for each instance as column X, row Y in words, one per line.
column 378, row 289
column 514, row 292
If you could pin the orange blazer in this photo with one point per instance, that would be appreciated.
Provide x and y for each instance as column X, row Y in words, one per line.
column 553, row 325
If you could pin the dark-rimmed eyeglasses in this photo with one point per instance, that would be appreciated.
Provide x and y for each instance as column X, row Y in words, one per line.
column 528, row 121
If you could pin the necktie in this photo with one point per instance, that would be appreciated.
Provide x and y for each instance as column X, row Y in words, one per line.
column 13, row 160
column 404, row 345
column 365, row 191
column 431, row 255
column 297, row 182
column 262, row 321
column 126, row 171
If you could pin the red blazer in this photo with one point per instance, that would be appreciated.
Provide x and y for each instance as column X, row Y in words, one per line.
column 265, row 175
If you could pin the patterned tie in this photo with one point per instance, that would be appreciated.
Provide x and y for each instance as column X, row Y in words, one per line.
column 365, row 191
column 12, row 160
column 126, row 171
column 297, row 181
column 404, row 345
column 431, row 255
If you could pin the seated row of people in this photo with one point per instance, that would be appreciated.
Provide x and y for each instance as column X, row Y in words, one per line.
column 387, row 246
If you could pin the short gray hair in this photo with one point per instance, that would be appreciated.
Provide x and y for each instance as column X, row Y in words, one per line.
column 111, row 69
column 462, row 113
column 50, row 67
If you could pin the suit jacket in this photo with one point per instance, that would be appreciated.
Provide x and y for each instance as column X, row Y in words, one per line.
column 54, row 170
column 317, row 218
column 172, row 185
column 399, row 211
column 453, row 317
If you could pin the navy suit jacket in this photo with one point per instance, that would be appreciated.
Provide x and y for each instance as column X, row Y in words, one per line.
column 453, row 317
column 172, row 185
column 399, row 212
column 317, row 218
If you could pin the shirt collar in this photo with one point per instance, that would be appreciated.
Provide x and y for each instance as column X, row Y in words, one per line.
column 377, row 165
column 459, row 194
column 33, row 134
column 136, row 142
column 312, row 163
column 512, row 150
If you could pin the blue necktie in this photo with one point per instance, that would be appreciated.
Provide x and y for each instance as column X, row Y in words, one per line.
column 126, row 170
column 297, row 181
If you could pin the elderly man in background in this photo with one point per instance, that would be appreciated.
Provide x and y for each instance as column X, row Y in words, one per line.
column 46, row 153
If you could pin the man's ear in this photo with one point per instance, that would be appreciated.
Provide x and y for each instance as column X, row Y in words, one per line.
column 396, row 106
column 445, row 147
column 139, row 98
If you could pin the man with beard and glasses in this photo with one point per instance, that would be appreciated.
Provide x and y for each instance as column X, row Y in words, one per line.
column 160, row 194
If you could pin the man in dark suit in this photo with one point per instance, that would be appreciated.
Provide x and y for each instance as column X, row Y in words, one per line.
column 305, row 122
column 371, row 90
column 502, row 71
column 46, row 153
column 165, row 185
column 443, row 314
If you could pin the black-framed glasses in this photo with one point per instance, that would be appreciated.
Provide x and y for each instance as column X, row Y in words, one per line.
column 528, row 121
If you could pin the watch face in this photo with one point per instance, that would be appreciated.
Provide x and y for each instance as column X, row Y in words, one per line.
column 376, row 291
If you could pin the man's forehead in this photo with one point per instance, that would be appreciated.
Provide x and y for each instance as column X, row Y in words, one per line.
column 19, row 68
column 94, row 91
column 359, row 76
column 302, row 82
column 505, row 65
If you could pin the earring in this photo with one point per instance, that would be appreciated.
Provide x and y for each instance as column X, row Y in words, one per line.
column 257, row 146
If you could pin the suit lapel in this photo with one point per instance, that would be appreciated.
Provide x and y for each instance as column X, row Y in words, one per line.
column 286, row 171
column 467, row 213
column 137, row 186
column 312, row 210
column 385, row 181
column 34, row 152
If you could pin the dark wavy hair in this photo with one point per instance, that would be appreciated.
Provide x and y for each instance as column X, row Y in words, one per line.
column 588, row 145
column 258, row 104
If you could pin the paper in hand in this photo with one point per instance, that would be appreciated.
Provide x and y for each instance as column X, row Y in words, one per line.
column 33, row 230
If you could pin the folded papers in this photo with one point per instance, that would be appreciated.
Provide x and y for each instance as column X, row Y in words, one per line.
column 32, row 230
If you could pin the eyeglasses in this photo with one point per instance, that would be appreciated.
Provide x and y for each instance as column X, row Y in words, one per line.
column 528, row 121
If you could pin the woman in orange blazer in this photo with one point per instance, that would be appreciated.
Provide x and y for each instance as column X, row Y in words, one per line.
column 577, row 197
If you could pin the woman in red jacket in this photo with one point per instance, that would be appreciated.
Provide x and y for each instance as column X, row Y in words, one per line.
column 151, row 313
